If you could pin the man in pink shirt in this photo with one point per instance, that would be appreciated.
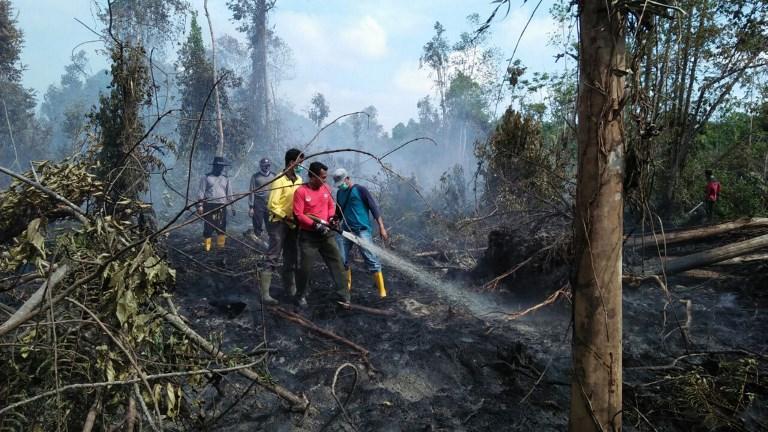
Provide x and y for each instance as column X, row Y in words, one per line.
column 711, row 194
column 313, row 207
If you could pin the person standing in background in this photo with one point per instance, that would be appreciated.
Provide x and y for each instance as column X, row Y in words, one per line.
column 257, row 199
column 213, row 197
column 711, row 194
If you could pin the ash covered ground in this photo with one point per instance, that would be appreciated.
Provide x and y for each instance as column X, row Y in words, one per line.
column 436, row 366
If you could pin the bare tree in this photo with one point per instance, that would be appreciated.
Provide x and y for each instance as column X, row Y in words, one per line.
column 596, row 398
column 220, row 147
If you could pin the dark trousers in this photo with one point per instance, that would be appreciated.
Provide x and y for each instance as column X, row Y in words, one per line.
column 310, row 245
column 217, row 218
column 283, row 241
column 709, row 206
column 260, row 217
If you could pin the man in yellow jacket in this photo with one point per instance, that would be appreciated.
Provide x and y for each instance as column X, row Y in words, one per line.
column 282, row 227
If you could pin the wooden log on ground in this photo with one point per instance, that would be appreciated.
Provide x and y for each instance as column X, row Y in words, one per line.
column 713, row 256
column 650, row 240
column 372, row 311
column 30, row 307
column 300, row 320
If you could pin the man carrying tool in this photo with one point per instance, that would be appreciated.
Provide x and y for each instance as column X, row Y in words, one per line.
column 711, row 194
column 314, row 208
column 257, row 199
column 354, row 203
column 281, row 227
column 213, row 196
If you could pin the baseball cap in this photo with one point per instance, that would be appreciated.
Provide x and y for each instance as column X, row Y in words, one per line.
column 338, row 176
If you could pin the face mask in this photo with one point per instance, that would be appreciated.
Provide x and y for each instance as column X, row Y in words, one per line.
column 265, row 169
column 343, row 186
column 299, row 170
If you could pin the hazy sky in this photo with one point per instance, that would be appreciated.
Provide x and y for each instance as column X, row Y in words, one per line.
column 357, row 53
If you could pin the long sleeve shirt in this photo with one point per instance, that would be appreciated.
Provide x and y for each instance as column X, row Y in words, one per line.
column 257, row 181
column 280, row 202
column 316, row 202
column 355, row 203
column 214, row 190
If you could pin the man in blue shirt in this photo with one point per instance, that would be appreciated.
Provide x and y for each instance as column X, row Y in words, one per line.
column 354, row 202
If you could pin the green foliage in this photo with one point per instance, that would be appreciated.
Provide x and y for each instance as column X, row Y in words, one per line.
column 114, row 329
column 21, row 136
column 11, row 41
column 521, row 170
column 196, row 80
column 735, row 148
column 21, row 203
column 65, row 106
column 118, row 123
column 713, row 395
column 318, row 109
column 465, row 101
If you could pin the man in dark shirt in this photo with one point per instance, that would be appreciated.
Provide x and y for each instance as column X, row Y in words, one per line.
column 354, row 203
column 257, row 200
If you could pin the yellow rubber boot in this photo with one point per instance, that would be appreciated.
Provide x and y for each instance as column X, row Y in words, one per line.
column 220, row 241
column 379, row 279
column 207, row 243
column 349, row 279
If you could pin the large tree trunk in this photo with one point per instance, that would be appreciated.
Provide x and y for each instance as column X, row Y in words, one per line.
column 260, row 121
column 219, row 125
column 596, row 400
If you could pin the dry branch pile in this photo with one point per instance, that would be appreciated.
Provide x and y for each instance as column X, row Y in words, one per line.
column 91, row 345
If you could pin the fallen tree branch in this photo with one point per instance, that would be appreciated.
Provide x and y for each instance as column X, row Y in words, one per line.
column 712, row 256
column 126, row 382
column 342, row 406
column 564, row 291
column 30, row 308
column 79, row 214
column 299, row 403
column 493, row 284
column 300, row 320
column 373, row 311
column 437, row 252
column 697, row 232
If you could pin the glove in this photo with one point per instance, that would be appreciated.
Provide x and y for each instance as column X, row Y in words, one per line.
column 321, row 228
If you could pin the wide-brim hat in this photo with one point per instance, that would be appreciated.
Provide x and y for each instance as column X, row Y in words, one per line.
column 339, row 176
column 218, row 160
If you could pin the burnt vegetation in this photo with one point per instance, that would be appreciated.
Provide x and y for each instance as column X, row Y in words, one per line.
column 552, row 260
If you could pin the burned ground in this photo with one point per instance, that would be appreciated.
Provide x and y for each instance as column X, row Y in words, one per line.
column 435, row 366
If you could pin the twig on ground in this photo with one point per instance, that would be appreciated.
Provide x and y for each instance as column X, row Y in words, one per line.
column 128, row 382
column 300, row 320
column 493, row 284
column 373, row 311
column 564, row 291
column 343, row 406
column 474, row 412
